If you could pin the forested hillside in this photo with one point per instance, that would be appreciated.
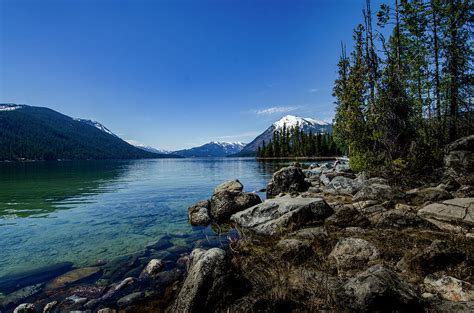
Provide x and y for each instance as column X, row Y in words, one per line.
column 35, row 133
column 295, row 142
column 401, row 99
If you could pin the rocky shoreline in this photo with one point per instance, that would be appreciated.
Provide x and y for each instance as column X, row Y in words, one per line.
column 325, row 239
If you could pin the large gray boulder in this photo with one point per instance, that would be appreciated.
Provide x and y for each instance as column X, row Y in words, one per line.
column 352, row 254
column 459, row 155
column 420, row 196
column 344, row 185
column 281, row 214
column 206, row 267
column 198, row 214
column 286, row 180
column 459, row 211
column 225, row 203
column 376, row 191
column 377, row 289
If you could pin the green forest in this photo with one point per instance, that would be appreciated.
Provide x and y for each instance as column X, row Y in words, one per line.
column 294, row 142
column 405, row 90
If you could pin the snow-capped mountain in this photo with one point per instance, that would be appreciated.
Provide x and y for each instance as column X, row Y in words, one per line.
column 212, row 149
column 152, row 149
column 96, row 125
column 290, row 121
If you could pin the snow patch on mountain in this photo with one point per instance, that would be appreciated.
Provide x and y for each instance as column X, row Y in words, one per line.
column 9, row 107
column 96, row 125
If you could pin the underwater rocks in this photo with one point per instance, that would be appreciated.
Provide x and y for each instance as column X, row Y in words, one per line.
column 10, row 283
column 73, row 276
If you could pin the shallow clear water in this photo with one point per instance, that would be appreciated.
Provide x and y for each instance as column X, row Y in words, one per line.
column 86, row 211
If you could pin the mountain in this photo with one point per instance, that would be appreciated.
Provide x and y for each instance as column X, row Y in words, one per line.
column 36, row 133
column 212, row 149
column 307, row 124
column 96, row 125
column 152, row 149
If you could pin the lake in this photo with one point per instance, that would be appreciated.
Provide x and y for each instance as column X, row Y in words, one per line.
column 86, row 211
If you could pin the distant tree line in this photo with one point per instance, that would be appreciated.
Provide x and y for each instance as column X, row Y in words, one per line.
column 401, row 99
column 295, row 142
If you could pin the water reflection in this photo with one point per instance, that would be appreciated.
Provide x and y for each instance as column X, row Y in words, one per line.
column 39, row 188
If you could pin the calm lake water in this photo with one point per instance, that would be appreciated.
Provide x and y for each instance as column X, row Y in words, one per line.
column 81, row 212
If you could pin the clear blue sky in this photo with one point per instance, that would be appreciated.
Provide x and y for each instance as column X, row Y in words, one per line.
column 175, row 74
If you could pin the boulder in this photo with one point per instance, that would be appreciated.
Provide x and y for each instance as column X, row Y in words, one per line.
column 287, row 179
column 152, row 269
column 278, row 215
column 231, row 185
column 419, row 196
column 459, row 155
column 379, row 192
column 325, row 179
column 294, row 250
column 437, row 256
column 25, row 308
column 450, row 288
column 342, row 168
column 311, row 233
column 347, row 216
column 352, row 254
column 198, row 214
column 342, row 184
column 456, row 211
column 225, row 203
column 205, row 268
column 377, row 289
column 398, row 218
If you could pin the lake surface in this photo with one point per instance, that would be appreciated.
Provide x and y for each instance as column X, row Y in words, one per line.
column 85, row 211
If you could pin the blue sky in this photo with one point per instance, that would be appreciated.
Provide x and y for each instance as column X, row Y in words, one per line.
column 175, row 74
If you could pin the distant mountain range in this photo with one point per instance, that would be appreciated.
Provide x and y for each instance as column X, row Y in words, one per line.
column 212, row 149
column 36, row 133
column 290, row 121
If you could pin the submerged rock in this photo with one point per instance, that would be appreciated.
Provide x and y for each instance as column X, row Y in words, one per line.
column 287, row 179
column 10, row 283
column 283, row 214
column 377, row 289
column 205, row 269
column 73, row 277
column 25, row 308
column 198, row 214
column 50, row 306
column 20, row 295
column 152, row 269
column 130, row 299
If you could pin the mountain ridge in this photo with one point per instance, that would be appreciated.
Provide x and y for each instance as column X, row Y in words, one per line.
column 39, row 133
